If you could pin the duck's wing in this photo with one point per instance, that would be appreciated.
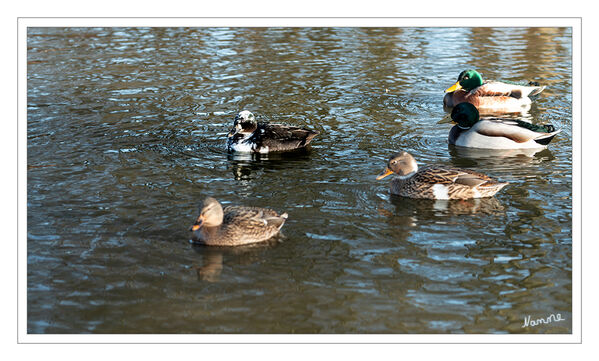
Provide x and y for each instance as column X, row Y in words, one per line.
column 284, row 136
column 435, row 175
column 518, row 131
column 497, row 89
column 251, row 217
column 450, row 176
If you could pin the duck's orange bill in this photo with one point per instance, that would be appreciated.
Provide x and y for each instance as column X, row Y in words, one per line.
column 385, row 173
column 195, row 227
column 454, row 87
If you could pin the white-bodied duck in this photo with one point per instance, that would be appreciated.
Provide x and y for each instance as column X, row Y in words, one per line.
column 472, row 131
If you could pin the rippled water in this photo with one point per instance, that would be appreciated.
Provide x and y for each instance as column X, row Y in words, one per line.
column 126, row 131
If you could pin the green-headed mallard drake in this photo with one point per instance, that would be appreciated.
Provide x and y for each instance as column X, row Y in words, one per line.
column 249, row 136
column 437, row 182
column 472, row 131
column 492, row 95
column 235, row 225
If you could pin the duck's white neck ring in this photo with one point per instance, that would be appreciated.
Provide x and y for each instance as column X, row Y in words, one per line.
column 404, row 177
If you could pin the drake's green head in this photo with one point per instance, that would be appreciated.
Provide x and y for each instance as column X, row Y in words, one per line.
column 465, row 114
column 467, row 80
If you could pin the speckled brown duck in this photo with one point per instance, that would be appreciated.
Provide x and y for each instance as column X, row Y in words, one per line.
column 249, row 136
column 235, row 225
column 435, row 182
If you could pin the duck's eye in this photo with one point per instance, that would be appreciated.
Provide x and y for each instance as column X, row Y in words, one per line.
column 466, row 77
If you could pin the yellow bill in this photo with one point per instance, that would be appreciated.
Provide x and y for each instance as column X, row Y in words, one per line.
column 385, row 173
column 454, row 87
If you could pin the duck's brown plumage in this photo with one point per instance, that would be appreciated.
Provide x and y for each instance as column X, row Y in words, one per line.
column 459, row 183
column 239, row 225
column 436, row 182
column 483, row 101
column 491, row 95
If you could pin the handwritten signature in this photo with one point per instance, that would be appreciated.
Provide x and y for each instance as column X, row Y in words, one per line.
column 540, row 321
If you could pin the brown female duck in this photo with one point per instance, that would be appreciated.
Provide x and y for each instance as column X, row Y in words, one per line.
column 437, row 182
column 235, row 225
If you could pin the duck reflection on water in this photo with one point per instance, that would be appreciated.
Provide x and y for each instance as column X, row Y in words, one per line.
column 214, row 258
column 243, row 165
column 411, row 207
column 468, row 157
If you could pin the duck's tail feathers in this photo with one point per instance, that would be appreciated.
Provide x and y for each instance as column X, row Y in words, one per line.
column 546, row 138
column 493, row 187
column 536, row 90
column 311, row 134
column 277, row 221
column 500, row 185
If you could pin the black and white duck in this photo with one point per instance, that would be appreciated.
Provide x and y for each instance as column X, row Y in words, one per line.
column 250, row 136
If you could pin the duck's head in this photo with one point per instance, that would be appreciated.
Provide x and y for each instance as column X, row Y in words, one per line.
column 467, row 80
column 211, row 215
column 402, row 164
column 245, row 123
column 465, row 115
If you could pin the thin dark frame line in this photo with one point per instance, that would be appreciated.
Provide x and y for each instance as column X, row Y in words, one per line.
column 298, row 17
column 18, row 171
column 299, row 343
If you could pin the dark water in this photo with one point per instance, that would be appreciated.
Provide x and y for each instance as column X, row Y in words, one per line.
column 126, row 131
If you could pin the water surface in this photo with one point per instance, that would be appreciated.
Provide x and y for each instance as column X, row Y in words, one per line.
column 126, row 130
